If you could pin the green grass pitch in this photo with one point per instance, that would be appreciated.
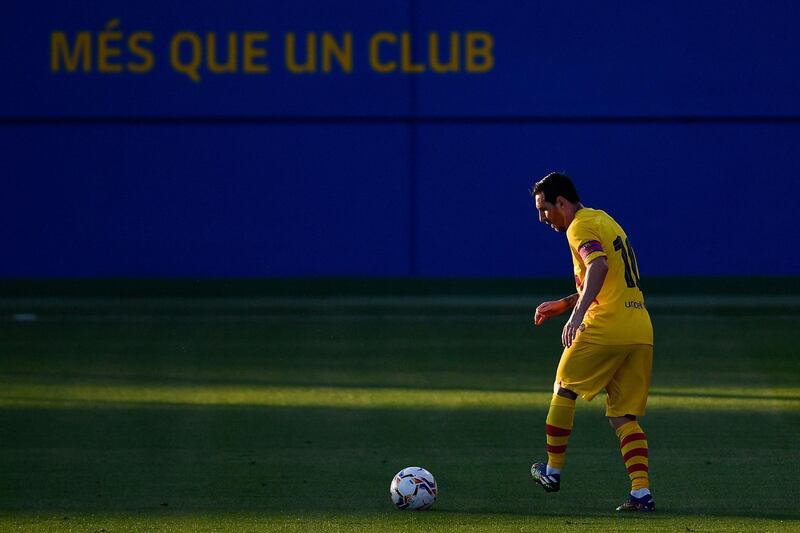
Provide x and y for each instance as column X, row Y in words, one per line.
column 293, row 414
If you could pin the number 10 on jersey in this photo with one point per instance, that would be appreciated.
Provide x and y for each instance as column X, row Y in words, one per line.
column 629, row 260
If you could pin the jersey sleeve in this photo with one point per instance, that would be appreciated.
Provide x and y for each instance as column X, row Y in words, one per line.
column 585, row 240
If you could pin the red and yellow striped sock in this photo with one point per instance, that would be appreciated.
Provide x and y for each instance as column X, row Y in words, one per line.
column 633, row 444
column 558, row 427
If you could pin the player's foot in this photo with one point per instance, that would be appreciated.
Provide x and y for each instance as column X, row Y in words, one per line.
column 550, row 483
column 645, row 504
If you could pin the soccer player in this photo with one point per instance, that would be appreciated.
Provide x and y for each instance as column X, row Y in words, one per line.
column 608, row 339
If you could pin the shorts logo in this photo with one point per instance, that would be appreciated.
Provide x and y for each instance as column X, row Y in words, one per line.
column 582, row 327
column 588, row 248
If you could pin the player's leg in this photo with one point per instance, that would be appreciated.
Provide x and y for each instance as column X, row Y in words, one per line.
column 558, row 427
column 635, row 454
column 627, row 399
column 584, row 371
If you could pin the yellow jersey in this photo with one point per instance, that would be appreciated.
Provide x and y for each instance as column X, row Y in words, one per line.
column 618, row 315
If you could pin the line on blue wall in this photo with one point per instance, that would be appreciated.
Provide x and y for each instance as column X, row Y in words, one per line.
column 384, row 120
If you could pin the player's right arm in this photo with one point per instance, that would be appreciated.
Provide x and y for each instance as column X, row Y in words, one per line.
column 550, row 309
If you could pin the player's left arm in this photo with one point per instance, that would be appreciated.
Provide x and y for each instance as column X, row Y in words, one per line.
column 595, row 277
column 547, row 310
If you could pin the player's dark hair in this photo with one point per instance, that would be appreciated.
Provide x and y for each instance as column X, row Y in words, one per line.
column 554, row 185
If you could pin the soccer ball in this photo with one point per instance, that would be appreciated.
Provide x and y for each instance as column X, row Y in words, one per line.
column 413, row 488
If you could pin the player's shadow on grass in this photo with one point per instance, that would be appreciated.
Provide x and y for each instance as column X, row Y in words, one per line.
column 144, row 458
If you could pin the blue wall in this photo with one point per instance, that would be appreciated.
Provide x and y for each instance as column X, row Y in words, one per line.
column 682, row 120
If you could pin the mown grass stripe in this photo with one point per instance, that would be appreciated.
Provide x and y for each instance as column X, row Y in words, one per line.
column 121, row 395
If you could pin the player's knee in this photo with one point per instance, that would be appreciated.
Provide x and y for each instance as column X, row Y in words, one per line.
column 566, row 393
column 617, row 421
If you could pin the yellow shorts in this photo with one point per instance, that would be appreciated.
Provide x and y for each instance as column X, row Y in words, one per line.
column 624, row 371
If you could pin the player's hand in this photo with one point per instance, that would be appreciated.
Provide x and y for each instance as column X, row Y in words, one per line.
column 571, row 329
column 548, row 310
